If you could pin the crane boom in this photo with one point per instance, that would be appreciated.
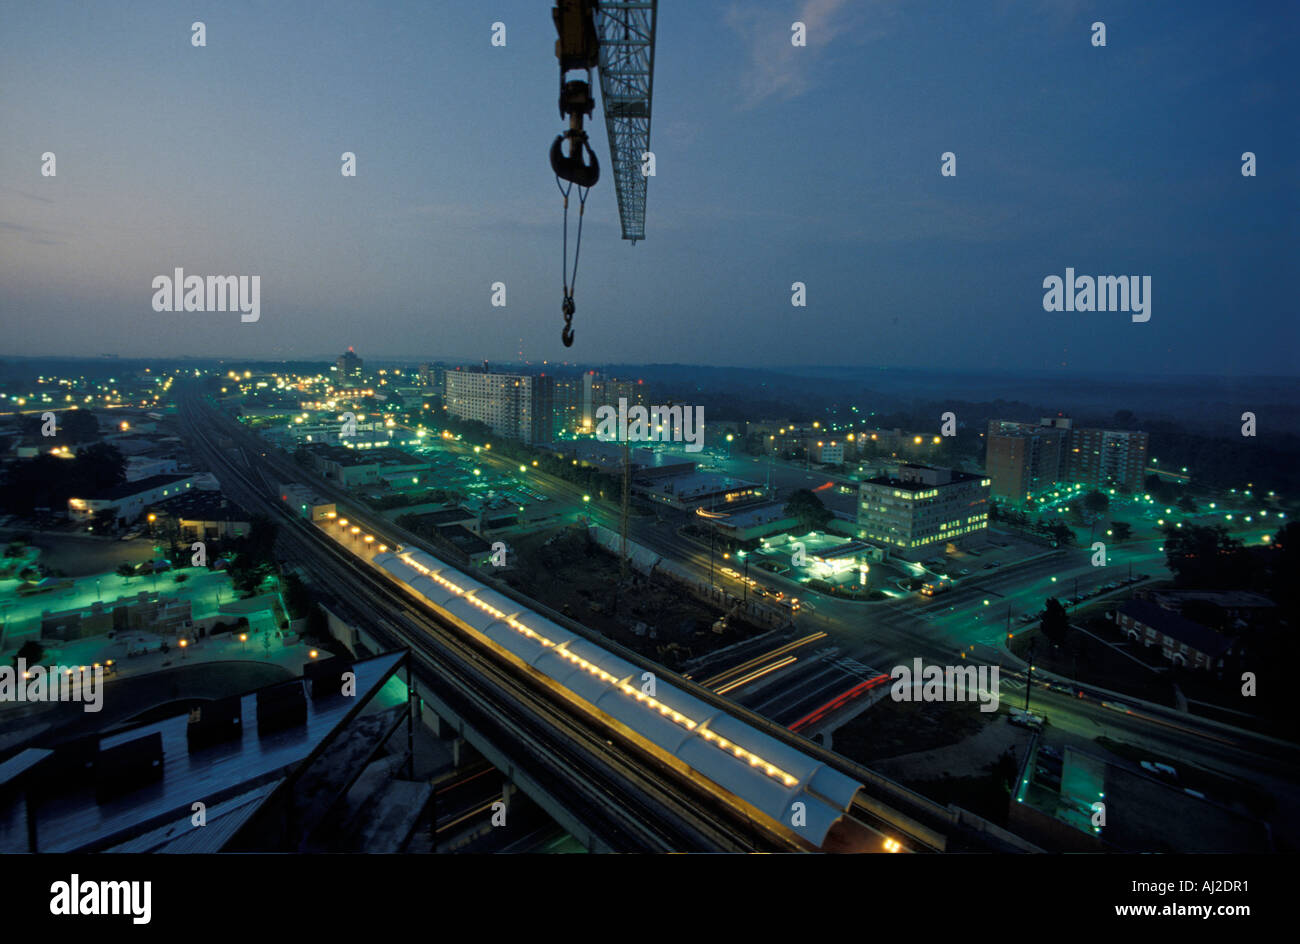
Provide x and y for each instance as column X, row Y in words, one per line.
column 618, row 38
column 626, row 32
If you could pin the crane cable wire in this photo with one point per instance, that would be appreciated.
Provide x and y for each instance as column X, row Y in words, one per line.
column 568, row 307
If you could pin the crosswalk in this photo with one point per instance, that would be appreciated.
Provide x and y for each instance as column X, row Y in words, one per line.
column 855, row 668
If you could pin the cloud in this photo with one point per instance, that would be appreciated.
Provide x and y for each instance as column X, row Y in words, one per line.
column 777, row 68
column 24, row 193
column 35, row 234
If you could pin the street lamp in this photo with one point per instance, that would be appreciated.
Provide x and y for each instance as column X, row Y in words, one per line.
column 243, row 638
column 184, row 644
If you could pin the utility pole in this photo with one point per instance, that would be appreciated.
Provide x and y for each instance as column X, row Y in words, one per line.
column 1029, row 678
column 711, row 560
column 745, row 555
column 627, row 479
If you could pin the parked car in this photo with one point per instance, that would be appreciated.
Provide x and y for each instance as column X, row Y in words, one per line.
column 1160, row 770
column 1026, row 719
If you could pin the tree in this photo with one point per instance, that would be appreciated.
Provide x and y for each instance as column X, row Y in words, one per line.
column 78, row 426
column 1187, row 504
column 1096, row 501
column 1121, row 530
column 1206, row 555
column 1159, row 489
column 808, row 509
column 31, row 652
column 1055, row 621
column 1061, row 532
column 125, row 569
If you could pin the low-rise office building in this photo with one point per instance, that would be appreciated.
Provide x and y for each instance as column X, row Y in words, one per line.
column 923, row 509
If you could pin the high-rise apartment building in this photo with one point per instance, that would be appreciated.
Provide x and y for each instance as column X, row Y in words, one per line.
column 516, row 406
column 1024, row 458
column 922, row 509
column 1108, row 458
column 599, row 390
column 568, row 406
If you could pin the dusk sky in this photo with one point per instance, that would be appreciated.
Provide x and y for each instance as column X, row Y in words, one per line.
column 775, row 164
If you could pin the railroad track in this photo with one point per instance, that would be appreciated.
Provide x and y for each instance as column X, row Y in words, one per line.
column 602, row 781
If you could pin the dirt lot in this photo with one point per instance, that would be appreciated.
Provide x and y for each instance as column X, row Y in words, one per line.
column 83, row 555
column 942, row 750
column 562, row 568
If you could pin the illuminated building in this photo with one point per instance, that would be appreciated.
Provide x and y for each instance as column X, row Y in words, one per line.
column 922, row 509
column 515, row 406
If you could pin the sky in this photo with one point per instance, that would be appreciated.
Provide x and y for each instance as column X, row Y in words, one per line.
column 775, row 164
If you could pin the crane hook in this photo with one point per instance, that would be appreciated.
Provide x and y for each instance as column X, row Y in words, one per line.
column 571, row 167
column 568, row 308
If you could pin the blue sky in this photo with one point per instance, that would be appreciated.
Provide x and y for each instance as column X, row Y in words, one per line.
column 774, row 165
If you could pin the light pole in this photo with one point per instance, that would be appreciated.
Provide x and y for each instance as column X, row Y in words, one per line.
column 243, row 638
column 711, row 560
column 743, row 555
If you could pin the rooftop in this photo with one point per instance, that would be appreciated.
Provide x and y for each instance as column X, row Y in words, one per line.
column 127, row 489
column 1198, row 637
column 916, row 478
column 200, row 505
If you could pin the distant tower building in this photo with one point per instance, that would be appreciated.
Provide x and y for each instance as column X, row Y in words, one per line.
column 599, row 390
column 349, row 365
